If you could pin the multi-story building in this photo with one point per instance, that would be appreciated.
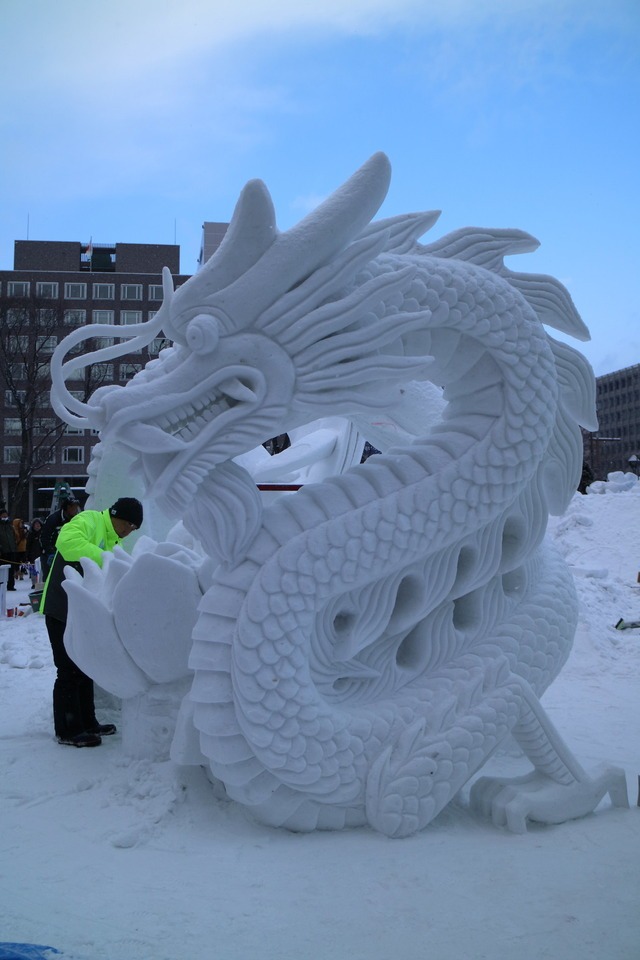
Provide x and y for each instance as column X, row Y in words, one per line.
column 616, row 443
column 57, row 286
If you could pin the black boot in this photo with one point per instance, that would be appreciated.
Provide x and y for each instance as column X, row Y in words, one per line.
column 103, row 729
column 81, row 740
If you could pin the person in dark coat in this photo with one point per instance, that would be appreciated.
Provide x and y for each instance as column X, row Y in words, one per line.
column 8, row 548
column 69, row 508
column 586, row 478
column 88, row 535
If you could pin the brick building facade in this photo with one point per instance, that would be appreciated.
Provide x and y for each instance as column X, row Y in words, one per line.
column 114, row 284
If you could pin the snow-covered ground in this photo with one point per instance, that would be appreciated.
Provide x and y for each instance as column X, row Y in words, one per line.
column 109, row 858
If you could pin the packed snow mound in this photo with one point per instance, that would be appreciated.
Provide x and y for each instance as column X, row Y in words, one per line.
column 598, row 537
column 617, row 482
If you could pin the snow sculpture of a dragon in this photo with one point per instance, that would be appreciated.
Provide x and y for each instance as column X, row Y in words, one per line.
column 365, row 645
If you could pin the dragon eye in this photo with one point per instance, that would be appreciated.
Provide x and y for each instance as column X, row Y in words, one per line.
column 203, row 333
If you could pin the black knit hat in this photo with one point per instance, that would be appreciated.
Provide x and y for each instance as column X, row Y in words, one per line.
column 127, row 508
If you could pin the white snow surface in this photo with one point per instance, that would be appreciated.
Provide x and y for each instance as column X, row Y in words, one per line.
column 105, row 857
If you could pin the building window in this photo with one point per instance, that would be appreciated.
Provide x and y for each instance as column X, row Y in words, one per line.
column 129, row 370
column 102, row 316
column 103, row 291
column 45, row 288
column 104, row 342
column 44, row 424
column 73, row 454
column 12, row 425
column 47, row 315
column 12, row 397
column 18, row 371
column 73, row 432
column 74, row 318
column 103, row 371
column 130, row 316
column 155, row 291
column 17, row 344
column 12, row 454
column 75, row 291
column 46, row 344
column 131, row 291
column 18, row 288
column 156, row 345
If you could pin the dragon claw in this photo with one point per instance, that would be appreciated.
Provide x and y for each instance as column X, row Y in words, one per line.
column 536, row 797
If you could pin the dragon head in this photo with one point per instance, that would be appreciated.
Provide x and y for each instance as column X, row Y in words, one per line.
column 276, row 330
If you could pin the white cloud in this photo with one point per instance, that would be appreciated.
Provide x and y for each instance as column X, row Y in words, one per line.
column 84, row 47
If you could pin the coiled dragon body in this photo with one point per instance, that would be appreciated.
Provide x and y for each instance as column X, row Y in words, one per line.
column 364, row 646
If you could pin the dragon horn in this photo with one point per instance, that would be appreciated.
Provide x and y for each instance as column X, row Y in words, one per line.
column 297, row 253
column 239, row 277
column 332, row 225
column 294, row 255
column 250, row 233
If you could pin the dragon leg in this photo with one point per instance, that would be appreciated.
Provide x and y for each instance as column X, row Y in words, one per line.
column 557, row 789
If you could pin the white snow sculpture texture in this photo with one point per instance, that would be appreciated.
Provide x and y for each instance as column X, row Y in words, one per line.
column 365, row 645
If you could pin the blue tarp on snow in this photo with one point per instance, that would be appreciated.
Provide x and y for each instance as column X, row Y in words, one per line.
column 26, row 951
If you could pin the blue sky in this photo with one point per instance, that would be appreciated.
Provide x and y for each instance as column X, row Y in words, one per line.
column 136, row 121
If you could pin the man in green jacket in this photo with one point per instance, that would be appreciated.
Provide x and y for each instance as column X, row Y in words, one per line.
column 89, row 534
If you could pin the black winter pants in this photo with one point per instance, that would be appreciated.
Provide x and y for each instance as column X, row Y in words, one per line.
column 73, row 704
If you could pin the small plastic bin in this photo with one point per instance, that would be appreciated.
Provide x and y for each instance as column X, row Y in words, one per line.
column 35, row 596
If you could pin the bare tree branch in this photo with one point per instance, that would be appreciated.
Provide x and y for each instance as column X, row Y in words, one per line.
column 29, row 331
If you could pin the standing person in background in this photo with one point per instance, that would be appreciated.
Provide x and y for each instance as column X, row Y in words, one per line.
column 89, row 534
column 20, row 532
column 69, row 508
column 7, row 547
column 34, row 550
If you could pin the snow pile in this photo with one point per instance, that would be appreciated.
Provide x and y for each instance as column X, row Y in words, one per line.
column 617, row 482
column 599, row 538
